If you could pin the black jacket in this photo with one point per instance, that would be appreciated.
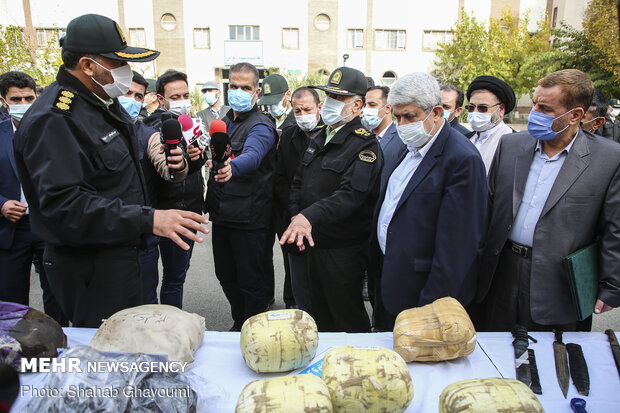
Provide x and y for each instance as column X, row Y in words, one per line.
column 244, row 202
column 187, row 194
column 337, row 185
column 78, row 164
column 611, row 130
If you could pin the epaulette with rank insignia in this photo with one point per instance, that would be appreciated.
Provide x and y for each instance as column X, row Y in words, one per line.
column 362, row 132
column 64, row 101
column 320, row 126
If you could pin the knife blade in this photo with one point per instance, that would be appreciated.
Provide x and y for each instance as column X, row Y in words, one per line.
column 561, row 362
column 578, row 368
column 522, row 365
column 536, row 388
column 615, row 347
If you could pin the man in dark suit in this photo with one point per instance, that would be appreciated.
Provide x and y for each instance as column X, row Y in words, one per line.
column 552, row 191
column 212, row 96
column 377, row 118
column 430, row 215
column 18, row 245
column 452, row 98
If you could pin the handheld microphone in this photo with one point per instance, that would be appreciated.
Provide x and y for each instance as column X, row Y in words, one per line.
column 171, row 134
column 220, row 143
column 191, row 132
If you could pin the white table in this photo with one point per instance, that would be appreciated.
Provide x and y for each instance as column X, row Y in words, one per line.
column 220, row 362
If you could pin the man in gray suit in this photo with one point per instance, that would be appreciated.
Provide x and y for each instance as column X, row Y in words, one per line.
column 552, row 191
column 213, row 98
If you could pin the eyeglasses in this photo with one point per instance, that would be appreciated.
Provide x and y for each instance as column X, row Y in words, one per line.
column 481, row 108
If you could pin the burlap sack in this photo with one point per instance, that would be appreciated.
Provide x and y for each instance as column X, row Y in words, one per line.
column 438, row 331
column 152, row 329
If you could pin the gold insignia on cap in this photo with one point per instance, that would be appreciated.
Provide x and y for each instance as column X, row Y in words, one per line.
column 362, row 132
column 367, row 156
column 336, row 78
column 135, row 55
column 335, row 89
column 267, row 89
column 63, row 101
column 120, row 32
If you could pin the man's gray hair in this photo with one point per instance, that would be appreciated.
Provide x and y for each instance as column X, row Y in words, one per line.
column 418, row 88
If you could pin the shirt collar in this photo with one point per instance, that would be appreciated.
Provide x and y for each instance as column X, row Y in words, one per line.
column 380, row 135
column 567, row 149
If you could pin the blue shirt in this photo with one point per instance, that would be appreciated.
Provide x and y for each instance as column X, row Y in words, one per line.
column 396, row 186
column 259, row 142
column 540, row 180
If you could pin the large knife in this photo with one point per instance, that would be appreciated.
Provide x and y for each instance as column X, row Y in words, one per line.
column 561, row 362
column 522, row 364
column 578, row 368
column 615, row 348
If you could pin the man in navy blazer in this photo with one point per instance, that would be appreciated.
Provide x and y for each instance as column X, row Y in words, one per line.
column 430, row 215
column 18, row 245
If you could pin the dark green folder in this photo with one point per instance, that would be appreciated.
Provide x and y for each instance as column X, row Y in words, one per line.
column 582, row 271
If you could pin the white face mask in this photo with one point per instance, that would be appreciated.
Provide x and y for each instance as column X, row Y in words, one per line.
column 332, row 110
column 371, row 119
column 307, row 122
column 481, row 122
column 413, row 134
column 122, row 80
column 277, row 110
column 615, row 112
column 180, row 107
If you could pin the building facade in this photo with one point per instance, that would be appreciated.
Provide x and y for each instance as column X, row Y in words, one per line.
column 382, row 38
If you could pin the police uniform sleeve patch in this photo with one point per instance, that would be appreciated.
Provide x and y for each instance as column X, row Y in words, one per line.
column 362, row 132
column 367, row 156
column 64, row 101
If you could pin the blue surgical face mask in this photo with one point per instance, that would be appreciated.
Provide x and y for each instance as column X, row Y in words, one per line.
column 17, row 111
column 210, row 98
column 240, row 101
column 540, row 126
column 371, row 119
column 132, row 106
column 277, row 110
column 331, row 112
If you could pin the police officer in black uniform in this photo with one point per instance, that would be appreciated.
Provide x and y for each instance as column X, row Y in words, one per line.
column 77, row 158
column 333, row 196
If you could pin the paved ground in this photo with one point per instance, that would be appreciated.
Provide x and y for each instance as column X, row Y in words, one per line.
column 203, row 294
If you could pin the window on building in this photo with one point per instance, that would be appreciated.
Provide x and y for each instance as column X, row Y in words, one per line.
column 290, row 38
column 390, row 39
column 137, row 37
column 168, row 22
column 355, row 38
column 388, row 78
column 555, row 17
column 45, row 36
column 244, row 32
column 322, row 22
column 433, row 37
column 202, row 38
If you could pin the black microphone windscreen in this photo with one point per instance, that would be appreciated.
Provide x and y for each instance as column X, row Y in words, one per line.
column 171, row 131
column 220, row 147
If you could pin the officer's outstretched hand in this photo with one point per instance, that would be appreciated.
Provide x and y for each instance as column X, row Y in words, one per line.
column 298, row 229
column 172, row 223
column 224, row 173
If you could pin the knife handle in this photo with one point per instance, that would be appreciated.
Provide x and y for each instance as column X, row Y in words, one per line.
column 578, row 405
column 558, row 335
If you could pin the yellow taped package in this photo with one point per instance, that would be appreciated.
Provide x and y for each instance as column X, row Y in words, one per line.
column 277, row 341
column 370, row 379
column 489, row 396
column 438, row 331
column 289, row 394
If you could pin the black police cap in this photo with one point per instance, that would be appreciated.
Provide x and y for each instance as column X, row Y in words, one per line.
column 345, row 81
column 100, row 35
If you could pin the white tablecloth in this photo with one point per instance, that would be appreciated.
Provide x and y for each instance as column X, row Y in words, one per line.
column 219, row 360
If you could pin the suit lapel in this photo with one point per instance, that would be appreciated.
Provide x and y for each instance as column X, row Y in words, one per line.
column 426, row 165
column 522, row 170
column 576, row 162
column 6, row 132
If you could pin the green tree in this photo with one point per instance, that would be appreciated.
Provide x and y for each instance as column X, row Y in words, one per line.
column 309, row 79
column 504, row 49
column 17, row 54
column 600, row 26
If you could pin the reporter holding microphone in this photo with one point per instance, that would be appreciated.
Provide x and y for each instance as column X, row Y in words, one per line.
column 77, row 157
